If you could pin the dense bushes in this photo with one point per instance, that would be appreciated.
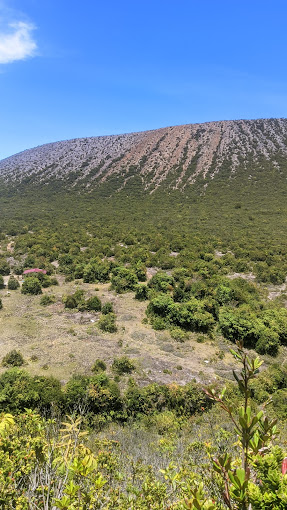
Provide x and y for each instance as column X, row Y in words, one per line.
column 77, row 300
column 99, row 366
column 4, row 267
column 97, row 394
column 18, row 391
column 161, row 282
column 191, row 315
column 162, row 461
column 107, row 308
column 47, row 300
column 236, row 306
column 96, row 271
column 141, row 292
column 123, row 279
column 263, row 331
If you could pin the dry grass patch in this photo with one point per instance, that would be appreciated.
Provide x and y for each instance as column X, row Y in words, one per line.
column 60, row 342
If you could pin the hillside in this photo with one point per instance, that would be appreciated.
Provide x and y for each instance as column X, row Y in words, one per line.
column 168, row 158
column 149, row 257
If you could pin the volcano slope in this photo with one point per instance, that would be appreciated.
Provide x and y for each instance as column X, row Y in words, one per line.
column 198, row 202
column 226, row 178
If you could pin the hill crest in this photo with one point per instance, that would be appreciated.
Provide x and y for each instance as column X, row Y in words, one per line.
column 175, row 157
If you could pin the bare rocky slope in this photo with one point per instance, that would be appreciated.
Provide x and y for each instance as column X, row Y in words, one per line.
column 174, row 157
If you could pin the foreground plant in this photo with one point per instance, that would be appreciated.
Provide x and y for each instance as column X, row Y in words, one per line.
column 47, row 466
column 252, row 480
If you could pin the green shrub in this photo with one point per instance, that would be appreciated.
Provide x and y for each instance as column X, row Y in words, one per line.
column 107, row 308
column 123, row 279
column 13, row 283
column 31, row 285
column 21, row 391
column 107, row 323
column 161, row 282
column 239, row 323
column 4, row 267
column 141, row 292
column 104, row 396
column 190, row 315
column 96, row 272
column 276, row 320
column 99, row 366
column 2, row 285
column 160, row 305
column 268, row 342
column 75, row 300
column 46, row 281
column 123, row 365
column 158, row 323
column 47, row 300
column 178, row 334
column 140, row 271
column 1, row 305
column 13, row 359
column 279, row 403
column 93, row 304
column 70, row 302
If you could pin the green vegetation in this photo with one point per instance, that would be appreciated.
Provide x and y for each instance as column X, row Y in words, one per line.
column 107, row 322
column 31, row 285
column 212, row 277
column 97, row 393
column 123, row 365
column 226, row 467
column 47, row 300
column 13, row 283
column 99, row 366
column 13, row 359
column 107, row 308
column 94, row 304
column 123, row 279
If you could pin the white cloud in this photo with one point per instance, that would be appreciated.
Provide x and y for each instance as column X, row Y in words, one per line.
column 17, row 43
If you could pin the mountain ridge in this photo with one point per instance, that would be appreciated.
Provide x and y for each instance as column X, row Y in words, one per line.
column 174, row 157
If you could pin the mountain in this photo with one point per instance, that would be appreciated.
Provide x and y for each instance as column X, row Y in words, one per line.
column 169, row 158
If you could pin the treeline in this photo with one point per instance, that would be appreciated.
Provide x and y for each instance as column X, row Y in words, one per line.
column 101, row 399
column 98, row 397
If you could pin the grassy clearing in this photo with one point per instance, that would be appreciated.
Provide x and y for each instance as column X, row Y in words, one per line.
column 60, row 342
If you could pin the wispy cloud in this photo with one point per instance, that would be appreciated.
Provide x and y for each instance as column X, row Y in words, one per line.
column 16, row 42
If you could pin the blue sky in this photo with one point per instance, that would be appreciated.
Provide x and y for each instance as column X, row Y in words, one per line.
column 72, row 69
